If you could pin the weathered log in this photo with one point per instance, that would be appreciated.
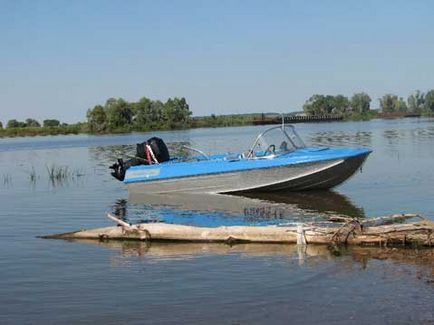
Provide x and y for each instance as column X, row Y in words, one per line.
column 352, row 233
column 376, row 221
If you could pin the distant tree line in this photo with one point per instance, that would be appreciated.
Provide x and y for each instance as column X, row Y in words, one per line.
column 14, row 129
column 32, row 123
column 31, row 127
column 418, row 103
column 118, row 115
column 359, row 104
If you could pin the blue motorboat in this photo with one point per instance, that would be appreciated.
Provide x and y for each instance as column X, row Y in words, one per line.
column 277, row 160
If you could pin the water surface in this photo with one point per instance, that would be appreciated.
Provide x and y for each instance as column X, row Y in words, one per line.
column 55, row 281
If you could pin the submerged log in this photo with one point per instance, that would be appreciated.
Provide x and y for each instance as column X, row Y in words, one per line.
column 352, row 232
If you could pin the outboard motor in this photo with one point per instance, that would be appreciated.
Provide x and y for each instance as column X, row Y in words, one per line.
column 121, row 167
column 158, row 147
column 143, row 156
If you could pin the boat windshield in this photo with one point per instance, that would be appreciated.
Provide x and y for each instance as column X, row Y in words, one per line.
column 275, row 141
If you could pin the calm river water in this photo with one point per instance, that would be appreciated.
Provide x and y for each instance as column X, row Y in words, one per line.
column 54, row 281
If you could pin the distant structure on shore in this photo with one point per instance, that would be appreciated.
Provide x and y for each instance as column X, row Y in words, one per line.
column 297, row 117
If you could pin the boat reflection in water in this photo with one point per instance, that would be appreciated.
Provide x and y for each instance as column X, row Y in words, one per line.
column 254, row 207
column 322, row 202
column 257, row 208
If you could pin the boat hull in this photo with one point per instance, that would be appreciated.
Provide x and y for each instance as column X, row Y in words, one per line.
column 297, row 177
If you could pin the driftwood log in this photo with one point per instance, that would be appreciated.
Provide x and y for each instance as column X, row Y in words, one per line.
column 379, row 231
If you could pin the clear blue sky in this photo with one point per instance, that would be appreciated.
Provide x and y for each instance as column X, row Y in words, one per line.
column 59, row 58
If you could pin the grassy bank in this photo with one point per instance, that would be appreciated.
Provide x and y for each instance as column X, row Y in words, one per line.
column 223, row 120
column 83, row 128
column 194, row 122
column 42, row 131
column 365, row 116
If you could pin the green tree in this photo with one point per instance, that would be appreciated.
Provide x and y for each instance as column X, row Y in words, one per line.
column 401, row 105
column 392, row 103
column 146, row 114
column 341, row 104
column 416, row 102
column 32, row 123
column 1, row 125
column 51, row 123
column 429, row 102
column 97, row 119
column 360, row 103
column 318, row 104
column 309, row 106
column 143, row 114
column 119, row 113
column 388, row 103
column 167, row 115
column 176, row 112
column 15, row 124
column 157, row 114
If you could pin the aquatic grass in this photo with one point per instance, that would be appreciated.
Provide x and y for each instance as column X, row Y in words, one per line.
column 59, row 175
column 77, row 173
column 7, row 179
column 33, row 176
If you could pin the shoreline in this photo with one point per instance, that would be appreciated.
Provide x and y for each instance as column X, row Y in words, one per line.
column 82, row 129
